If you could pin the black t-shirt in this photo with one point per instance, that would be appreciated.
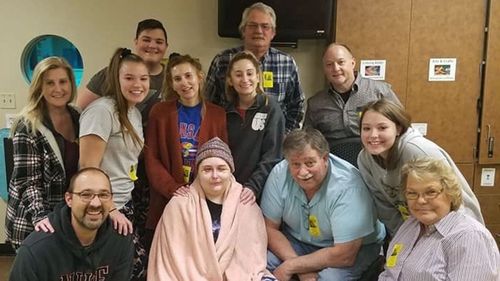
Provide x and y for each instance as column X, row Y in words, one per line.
column 215, row 212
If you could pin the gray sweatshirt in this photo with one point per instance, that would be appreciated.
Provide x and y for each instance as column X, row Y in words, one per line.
column 385, row 185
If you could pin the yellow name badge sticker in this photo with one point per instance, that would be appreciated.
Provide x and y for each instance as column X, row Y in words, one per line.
column 187, row 173
column 133, row 173
column 403, row 211
column 314, row 230
column 268, row 79
column 393, row 259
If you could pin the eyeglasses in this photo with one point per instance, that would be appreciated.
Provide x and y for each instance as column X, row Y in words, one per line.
column 428, row 195
column 255, row 26
column 88, row 196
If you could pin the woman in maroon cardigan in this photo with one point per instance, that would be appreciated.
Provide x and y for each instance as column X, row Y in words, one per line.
column 176, row 128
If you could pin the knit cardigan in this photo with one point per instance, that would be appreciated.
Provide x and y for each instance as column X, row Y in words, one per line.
column 163, row 151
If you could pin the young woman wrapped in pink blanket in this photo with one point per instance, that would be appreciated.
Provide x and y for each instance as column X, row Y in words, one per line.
column 208, row 234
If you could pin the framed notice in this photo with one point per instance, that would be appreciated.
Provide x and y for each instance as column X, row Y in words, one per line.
column 442, row 69
column 420, row 127
column 373, row 69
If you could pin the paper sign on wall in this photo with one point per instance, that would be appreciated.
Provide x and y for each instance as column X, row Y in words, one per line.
column 442, row 69
column 373, row 69
column 420, row 127
column 488, row 177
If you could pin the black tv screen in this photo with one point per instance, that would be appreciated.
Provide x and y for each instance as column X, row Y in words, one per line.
column 295, row 19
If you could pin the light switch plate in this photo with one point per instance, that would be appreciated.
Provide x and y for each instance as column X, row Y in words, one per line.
column 488, row 177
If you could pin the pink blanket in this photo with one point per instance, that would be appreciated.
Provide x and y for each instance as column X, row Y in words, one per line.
column 183, row 246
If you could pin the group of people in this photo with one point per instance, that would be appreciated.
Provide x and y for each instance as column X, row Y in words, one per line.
column 172, row 176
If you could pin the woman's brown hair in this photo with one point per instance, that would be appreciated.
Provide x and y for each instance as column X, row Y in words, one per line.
column 231, row 94
column 113, row 90
column 395, row 113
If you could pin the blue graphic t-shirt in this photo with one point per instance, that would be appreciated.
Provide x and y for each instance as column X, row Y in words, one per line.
column 189, row 126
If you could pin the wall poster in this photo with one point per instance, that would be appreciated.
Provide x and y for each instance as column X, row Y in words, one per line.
column 373, row 69
column 442, row 69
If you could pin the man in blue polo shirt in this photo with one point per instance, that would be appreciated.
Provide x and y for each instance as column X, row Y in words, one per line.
column 319, row 214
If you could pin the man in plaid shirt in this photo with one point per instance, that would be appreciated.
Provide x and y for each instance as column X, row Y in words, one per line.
column 280, row 75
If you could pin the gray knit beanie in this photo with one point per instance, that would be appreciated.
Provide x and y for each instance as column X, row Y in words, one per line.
column 215, row 148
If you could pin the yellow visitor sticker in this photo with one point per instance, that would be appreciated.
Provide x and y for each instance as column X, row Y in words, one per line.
column 403, row 211
column 268, row 79
column 314, row 226
column 393, row 259
column 187, row 172
column 133, row 173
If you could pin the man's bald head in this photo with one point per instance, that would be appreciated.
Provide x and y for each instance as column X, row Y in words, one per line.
column 338, row 66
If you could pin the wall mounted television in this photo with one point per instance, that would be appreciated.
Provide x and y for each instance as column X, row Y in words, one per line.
column 296, row 19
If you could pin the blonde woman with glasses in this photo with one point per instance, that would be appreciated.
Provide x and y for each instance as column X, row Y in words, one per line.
column 436, row 242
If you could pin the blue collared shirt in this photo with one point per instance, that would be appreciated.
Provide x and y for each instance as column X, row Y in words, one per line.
column 341, row 210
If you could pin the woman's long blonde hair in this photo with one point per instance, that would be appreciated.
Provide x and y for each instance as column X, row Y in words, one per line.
column 32, row 114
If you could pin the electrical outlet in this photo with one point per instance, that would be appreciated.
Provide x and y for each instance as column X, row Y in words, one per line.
column 7, row 100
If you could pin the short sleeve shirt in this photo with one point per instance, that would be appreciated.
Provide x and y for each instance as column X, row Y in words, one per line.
column 339, row 212
column 121, row 154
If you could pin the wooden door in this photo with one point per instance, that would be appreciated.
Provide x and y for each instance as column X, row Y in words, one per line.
column 447, row 29
column 489, row 144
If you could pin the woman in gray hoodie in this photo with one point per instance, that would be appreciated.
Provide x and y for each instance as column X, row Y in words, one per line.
column 389, row 142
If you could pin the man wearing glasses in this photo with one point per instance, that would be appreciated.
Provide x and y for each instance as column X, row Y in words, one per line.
column 83, row 245
column 319, row 215
column 280, row 75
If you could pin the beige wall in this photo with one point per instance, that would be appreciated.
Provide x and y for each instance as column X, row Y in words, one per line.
column 98, row 27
